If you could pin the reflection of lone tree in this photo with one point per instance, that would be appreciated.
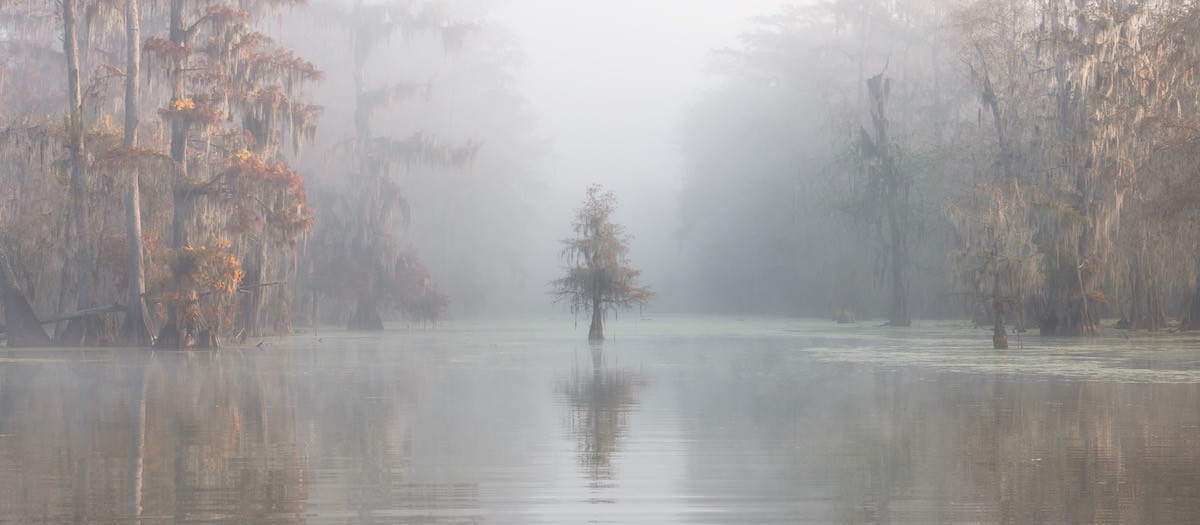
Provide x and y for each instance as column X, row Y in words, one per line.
column 600, row 405
column 598, row 276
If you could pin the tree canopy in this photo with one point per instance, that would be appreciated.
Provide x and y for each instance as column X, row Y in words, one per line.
column 599, row 277
column 1047, row 147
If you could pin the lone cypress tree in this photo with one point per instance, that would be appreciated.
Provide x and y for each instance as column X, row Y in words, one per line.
column 599, row 277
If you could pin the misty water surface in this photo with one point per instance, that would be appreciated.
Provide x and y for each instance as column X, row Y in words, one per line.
column 675, row 421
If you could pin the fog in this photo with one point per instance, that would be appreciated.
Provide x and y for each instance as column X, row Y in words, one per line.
column 605, row 86
column 609, row 81
column 331, row 260
column 361, row 162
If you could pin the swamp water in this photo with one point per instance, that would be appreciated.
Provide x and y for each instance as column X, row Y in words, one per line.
column 678, row 420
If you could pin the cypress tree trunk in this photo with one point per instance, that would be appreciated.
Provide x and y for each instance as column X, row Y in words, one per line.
column 180, row 210
column 893, row 188
column 178, row 35
column 136, row 330
column 86, row 330
column 252, row 303
column 1193, row 314
column 899, row 312
column 133, row 68
column 999, row 333
column 366, row 315
column 1156, row 312
column 1192, row 317
column 179, row 331
column 22, row 325
column 596, row 330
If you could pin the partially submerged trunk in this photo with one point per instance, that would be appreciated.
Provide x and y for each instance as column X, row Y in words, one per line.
column 22, row 325
column 184, row 330
column 999, row 333
column 1191, row 320
column 596, row 330
column 1069, row 309
column 136, row 330
column 1147, row 310
column 1135, row 294
column 899, row 312
column 893, row 188
column 253, row 300
column 90, row 330
column 181, row 329
column 366, row 315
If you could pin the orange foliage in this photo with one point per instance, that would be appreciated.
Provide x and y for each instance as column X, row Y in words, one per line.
column 259, row 49
column 277, row 197
column 165, row 48
column 203, row 269
column 247, row 165
column 204, row 114
column 183, row 104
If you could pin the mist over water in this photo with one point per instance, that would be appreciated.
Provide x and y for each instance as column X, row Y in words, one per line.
column 599, row 261
column 783, row 422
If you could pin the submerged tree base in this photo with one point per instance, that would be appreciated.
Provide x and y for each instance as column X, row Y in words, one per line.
column 845, row 316
column 20, row 323
column 91, row 330
column 365, row 317
column 172, row 337
column 999, row 338
column 596, row 330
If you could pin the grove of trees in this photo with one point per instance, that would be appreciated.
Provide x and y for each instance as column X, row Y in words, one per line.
column 186, row 171
column 165, row 181
column 1032, row 161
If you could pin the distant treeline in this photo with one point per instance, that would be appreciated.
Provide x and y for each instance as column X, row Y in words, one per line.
column 1035, row 160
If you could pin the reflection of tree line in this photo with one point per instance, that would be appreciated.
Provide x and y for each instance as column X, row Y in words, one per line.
column 189, row 436
column 168, row 436
column 926, row 446
column 599, row 407
column 364, row 437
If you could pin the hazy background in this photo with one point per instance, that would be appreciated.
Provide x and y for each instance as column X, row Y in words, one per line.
column 608, row 82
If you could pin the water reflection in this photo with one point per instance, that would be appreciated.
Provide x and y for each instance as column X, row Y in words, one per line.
column 419, row 430
column 90, row 440
column 852, row 444
column 190, row 436
column 599, row 404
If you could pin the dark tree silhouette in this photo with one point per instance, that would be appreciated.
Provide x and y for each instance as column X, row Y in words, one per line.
column 599, row 277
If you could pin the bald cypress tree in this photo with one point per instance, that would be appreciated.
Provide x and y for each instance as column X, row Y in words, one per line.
column 599, row 277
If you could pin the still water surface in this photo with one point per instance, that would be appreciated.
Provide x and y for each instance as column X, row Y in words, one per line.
column 676, row 421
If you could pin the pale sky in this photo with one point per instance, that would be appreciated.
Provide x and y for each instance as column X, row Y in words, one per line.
column 608, row 80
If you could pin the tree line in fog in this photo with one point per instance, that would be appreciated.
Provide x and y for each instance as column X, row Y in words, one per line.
column 1024, row 161
column 276, row 162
